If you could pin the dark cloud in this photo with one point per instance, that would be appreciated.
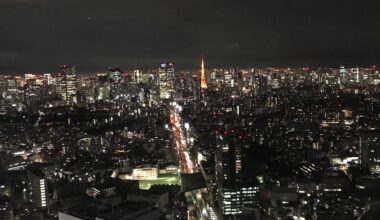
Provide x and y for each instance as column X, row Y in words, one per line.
column 38, row 35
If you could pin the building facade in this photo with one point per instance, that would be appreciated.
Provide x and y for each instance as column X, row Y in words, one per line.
column 234, row 193
column 166, row 80
column 37, row 187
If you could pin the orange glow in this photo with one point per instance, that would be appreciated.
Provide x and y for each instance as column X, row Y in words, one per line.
column 203, row 76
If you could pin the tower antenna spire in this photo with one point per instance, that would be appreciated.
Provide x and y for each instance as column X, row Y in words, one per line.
column 203, row 75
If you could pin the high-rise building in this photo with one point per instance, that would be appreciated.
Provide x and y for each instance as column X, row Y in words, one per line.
column 228, row 174
column 103, row 89
column 234, row 192
column 3, row 86
column 343, row 74
column 37, row 187
column 357, row 75
column 137, row 76
column 12, row 85
column 166, row 80
column 48, row 78
column 71, row 83
column 68, row 83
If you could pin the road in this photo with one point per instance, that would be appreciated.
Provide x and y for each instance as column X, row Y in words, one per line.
column 198, row 208
column 185, row 162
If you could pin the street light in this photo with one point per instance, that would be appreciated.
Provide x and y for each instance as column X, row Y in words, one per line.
column 187, row 125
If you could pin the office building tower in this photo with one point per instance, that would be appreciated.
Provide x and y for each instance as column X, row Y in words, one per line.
column 343, row 74
column 63, row 82
column 118, row 83
column 115, row 75
column 12, row 85
column 68, row 84
column 228, row 174
column 103, row 87
column 137, row 76
column 357, row 75
column 234, row 192
column 48, row 79
column 166, row 80
column 3, row 86
column 71, row 83
column 37, row 192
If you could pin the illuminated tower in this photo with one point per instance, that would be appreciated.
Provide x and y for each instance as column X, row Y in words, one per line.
column 166, row 80
column 203, row 75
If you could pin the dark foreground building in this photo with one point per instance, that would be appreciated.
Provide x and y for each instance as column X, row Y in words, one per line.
column 234, row 193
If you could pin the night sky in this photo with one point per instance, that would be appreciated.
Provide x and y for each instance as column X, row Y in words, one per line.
column 38, row 35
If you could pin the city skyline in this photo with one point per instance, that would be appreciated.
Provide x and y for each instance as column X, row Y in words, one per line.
column 196, row 67
column 189, row 110
column 166, row 144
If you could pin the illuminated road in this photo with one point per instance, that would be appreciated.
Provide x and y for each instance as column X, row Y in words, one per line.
column 198, row 208
column 186, row 164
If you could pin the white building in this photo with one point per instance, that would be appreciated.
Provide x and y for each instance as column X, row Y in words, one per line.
column 145, row 173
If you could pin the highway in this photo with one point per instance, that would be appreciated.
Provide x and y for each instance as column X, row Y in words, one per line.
column 198, row 208
column 185, row 162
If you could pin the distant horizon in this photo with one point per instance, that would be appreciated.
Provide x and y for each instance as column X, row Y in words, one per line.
column 150, row 67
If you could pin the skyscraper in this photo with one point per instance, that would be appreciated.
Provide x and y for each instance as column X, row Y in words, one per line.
column 228, row 174
column 37, row 187
column 357, row 75
column 71, row 84
column 166, row 80
column 203, row 75
column 68, row 83
column 234, row 192
column 116, row 82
